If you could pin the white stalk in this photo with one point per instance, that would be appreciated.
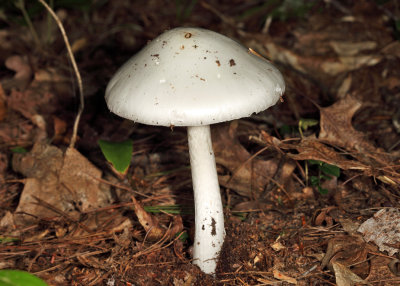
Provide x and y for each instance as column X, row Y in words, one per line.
column 209, row 217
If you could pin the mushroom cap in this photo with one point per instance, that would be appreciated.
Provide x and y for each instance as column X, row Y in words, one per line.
column 193, row 77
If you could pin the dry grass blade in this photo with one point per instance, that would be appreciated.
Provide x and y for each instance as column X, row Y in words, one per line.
column 76, row 70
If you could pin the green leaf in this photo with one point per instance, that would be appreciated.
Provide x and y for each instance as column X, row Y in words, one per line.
column 322, row 191
column 315, row 162
column 19, row 278
column 330, row 170
column 289, row 9
column 5, row 239
column 183, row 236
column 285, row 129
column 119, row 154
column 326, row 168
column 314, row 181
column 325, row 177
column 19, row 149
column 304, row 124
column 240, row 215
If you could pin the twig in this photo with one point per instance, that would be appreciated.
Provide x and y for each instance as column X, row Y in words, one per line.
column 76, row 70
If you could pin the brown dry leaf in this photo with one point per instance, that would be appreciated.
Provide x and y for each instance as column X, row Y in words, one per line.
column 337, row 130
column 344, row 87
column 380, row 272
column 277, row 245
column 249, row 179
column 383, row 230
column 149, row 222
column 280, row 54
column 5, row 43
column 367, row 161
column 265, row 281
column 151, row 225
column 317, row 64
column 63, row 182
column 60, row 127
column 21, row 67
column 336, row 127
column 79, row 45
column 50, row 75
column 350, row 226
column 311, row 149
column 392, row 49
column 343, row 252
column 79, row 176
column 20, row 133
column 351, row 48
column 345, row 277
column 349, row 63
column 324, row 217
column 347, row 250
column 28, row 102
column 251, row 206
column 7, row 223
column 281, row 276
column 3, row 108
column 3, row 165
column 391, row 82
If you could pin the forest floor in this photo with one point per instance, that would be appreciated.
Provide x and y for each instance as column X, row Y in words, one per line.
column 310, row 187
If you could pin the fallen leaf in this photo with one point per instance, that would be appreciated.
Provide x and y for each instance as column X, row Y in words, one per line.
column 60, row 127
column 50, row 75
column 336, row 127
column 352, row 48
column 380, row 271
column 383, row 230
column 3, row 165
column 20, row 66
column 66, row 182
column 249, row 177
column 392, row 49
column 345, row 277
column 312, row 64
column 324, row 217
column 281, row 276
column 28, row 103
column 151, row 225
column 79, row 175
column 148, row 222
column 265, row 281
column 7, row 223
column 5, row 42
column 312, row 149
column 3, row 108
column 277, row 246
column 79, row 45
column 344, row 88
column 349, row 225
column 347, row 250
column 337, row 130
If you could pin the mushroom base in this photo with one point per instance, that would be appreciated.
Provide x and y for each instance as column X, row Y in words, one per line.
column 209, row 217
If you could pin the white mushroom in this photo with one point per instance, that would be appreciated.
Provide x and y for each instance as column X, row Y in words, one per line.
column 195, row 77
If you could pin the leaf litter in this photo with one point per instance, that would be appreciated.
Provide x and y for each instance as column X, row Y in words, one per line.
column 66, row 218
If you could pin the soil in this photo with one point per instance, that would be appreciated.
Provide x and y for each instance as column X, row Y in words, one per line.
column 310, row 187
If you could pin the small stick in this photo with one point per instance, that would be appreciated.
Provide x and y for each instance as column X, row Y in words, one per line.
column 76, row 70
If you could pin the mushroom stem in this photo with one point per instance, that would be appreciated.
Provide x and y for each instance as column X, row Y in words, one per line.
column 209, row 216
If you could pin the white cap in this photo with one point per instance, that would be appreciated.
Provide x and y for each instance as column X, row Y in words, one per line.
column 193, row 77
